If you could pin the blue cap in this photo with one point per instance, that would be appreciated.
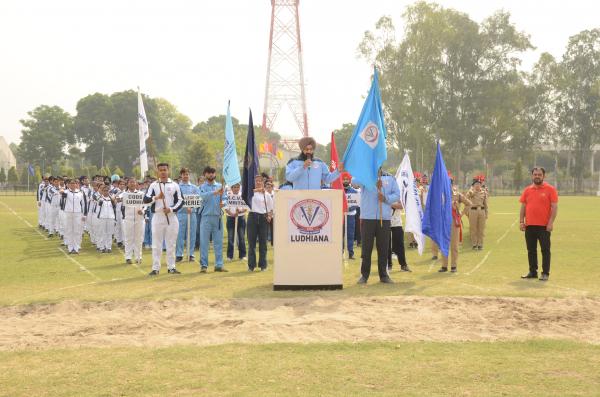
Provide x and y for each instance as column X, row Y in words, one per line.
column 115, row 178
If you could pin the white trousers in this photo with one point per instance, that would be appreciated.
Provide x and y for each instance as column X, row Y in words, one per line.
column 133, row 235
column 53, row 219
column 73, row 230
column 106, row 228
column 41, row 214
column 119, row 228
column 167, row 232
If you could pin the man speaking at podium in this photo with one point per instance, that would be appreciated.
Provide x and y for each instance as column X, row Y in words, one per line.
column 308, row 173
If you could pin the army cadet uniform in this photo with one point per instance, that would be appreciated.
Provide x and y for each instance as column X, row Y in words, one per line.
column 456, row 231
column 478, row 213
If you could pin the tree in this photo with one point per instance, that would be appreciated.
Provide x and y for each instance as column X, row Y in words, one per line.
column 579, row 105
column 25, row 176
column 518, row 176
column 196, row 156
column 12, row 176
column 38, row 174
column 118, row 171
column 2, row 175
column 45, row 134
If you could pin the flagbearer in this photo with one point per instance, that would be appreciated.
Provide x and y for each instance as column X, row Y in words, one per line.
column 375, row 215
column 259, row 218
column 185, row 214
column 306, row 172
column 478, row 213
column 166, row 199
column 236, row 223
column 213, row 199
column 456, row 230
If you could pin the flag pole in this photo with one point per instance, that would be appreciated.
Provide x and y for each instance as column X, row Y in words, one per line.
column 378, row 199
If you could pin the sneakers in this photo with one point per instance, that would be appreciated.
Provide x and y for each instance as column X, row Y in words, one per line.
column 221, row 269
column 361, row 280
column 153, row 273
column 453, row 269
column 544, row 277
column 178, row 258
column 474, row 247
column 443, row 270
column 128, row 261
column 174, row 271
column 245, row 259
column 529, row 275
column 434, row 258
column 191, row 258
column 203, row 270
column 479, row 247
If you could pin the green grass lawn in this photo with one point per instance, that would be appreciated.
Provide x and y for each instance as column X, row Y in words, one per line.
column 536, row 368
column 35, row 270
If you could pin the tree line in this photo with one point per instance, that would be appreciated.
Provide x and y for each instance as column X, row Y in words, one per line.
column 459, row 81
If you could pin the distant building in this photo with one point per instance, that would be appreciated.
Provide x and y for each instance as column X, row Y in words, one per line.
column 7, row 157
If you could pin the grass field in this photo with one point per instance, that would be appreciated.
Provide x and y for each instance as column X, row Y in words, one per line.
column 35, row 270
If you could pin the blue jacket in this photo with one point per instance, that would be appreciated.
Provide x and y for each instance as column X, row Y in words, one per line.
column 210, row 202
column 309, row 178
column 369, row 202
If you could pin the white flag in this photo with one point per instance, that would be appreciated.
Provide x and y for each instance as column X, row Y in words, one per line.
column 144, row 134
column 409, row 196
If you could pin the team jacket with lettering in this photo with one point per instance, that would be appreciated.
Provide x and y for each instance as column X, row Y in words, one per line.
column 173, row 197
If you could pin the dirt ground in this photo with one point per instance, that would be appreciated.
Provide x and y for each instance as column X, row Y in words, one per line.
column 207, row 322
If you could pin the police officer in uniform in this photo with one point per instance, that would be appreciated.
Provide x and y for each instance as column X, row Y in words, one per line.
column 478, row 213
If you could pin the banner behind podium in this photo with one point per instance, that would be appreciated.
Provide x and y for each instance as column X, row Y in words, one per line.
column 308, row 239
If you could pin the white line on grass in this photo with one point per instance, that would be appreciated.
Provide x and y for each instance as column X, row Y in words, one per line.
column 24, row 220
column 506, row 232
column 479, row 264
column 81, row 267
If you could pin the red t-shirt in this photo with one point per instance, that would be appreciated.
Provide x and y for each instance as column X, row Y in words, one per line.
column 537, row 200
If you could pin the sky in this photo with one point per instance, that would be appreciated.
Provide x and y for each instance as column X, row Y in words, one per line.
column 198, row 54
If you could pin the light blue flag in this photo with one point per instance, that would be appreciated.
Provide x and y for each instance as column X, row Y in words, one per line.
column 231, row 170
column 437, row 219
column 366, row 151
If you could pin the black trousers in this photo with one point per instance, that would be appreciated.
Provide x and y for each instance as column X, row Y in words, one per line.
column 357, row 227
column 397, row 246
column 373, row 231
column 257, row 228
column 533, row 234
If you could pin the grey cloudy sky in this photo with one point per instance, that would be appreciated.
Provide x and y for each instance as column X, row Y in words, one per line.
column 198, row 54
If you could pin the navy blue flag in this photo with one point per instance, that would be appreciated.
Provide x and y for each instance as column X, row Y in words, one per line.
column 437, row 219
column 31, row 170
column 250, row 165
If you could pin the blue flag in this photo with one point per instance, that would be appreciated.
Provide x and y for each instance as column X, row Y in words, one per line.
column 250, row 165
column 231, row 172
column 31, row 170
column 366, row 150
column 437, row 219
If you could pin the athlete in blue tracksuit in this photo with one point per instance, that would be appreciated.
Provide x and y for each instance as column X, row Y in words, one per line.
column 213, row 200
column 306, row 172
column 186, row 189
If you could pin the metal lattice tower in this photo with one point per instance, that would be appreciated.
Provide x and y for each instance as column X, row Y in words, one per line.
column 285, row 76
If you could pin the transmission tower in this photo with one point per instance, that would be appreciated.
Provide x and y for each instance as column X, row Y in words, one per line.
column 285, row 77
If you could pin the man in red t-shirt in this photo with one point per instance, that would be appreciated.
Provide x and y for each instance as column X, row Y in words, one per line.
column 539, row 205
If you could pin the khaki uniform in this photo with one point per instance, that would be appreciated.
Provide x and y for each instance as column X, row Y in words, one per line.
column 478, row 213
column 457, row 199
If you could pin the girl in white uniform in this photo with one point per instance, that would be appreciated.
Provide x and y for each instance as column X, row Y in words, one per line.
column 106, row 214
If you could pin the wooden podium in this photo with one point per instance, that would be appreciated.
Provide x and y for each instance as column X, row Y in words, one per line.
column 308, row 239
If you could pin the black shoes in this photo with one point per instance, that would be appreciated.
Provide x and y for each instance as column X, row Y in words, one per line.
column 203, row 270
column 453, row 269
column 221, row 269
column 386, row 280
column 405, row 268
column 174, row 271
column 529, row 275
column 153, row 273
column 544, row 277
column 361, row 280
column 434, row 258
column 191, row 258
column 479, row 247
column 128, row 261
column 443, row 270
column 178, row 258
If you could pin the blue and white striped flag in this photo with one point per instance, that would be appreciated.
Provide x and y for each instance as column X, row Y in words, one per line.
column 144, row 133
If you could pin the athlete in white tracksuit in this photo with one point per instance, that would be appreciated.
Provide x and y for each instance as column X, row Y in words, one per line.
column 106, row 216
column 54, row 198
column 75, row 209
column 40, row 201
column 166, row 199
column 133, row 225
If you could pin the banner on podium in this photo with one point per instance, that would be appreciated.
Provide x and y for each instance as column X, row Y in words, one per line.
column 310, row 221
